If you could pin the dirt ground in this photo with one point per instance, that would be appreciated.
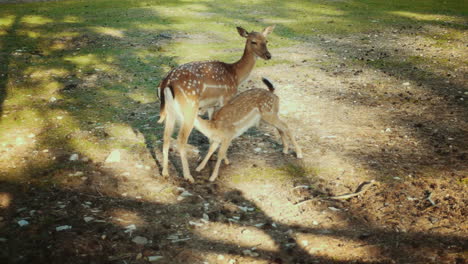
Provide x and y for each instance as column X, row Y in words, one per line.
column 401, row 125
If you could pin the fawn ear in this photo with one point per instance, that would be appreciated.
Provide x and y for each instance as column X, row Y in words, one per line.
column 268, row 30
column 242, row 32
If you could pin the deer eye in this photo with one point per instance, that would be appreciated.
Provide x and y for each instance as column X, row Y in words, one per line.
column 253, row 42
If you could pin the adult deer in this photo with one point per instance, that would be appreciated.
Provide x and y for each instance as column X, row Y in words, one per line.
column 204, row 85
column 237, row 116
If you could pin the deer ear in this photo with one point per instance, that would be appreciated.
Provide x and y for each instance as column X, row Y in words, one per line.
column 268, row 30
column 242, row 32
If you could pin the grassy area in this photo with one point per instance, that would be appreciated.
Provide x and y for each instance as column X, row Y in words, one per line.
column 80, row 80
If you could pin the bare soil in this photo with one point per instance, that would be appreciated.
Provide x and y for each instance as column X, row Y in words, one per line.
column 400, row 124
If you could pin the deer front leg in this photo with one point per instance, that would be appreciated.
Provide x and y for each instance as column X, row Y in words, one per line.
column 212, row 149
column 221, row 155
column 184, row 133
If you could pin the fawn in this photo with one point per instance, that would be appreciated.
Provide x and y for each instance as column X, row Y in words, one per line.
column 242, row 112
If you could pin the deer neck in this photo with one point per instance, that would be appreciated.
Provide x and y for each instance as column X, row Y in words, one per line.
column 244, row 66
column 204, row 126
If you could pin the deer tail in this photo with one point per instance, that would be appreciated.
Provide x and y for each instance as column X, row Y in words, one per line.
column 268, row 84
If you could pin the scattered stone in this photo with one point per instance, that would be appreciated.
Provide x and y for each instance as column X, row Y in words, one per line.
column 74, row 157
column 88, row 219
column 62, row 228
column 23, row 223
column 315, row 223
column 334, row 209
column 192, row 223
column 406, row 83
column 140, row 240
column 139, row 256
column 113, row 157
column 52, row 99
column 258, row 149
column 154, row 258
column 305, row 243
column 206, row 217
column 76, row 174
column 248, row 252
column 59, row 117
column 130, row 229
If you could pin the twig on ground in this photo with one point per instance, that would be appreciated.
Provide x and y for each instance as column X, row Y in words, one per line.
column 430, row 199
column 363, row 187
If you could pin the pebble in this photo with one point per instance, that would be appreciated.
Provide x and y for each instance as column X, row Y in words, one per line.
column 140, row 240
column 61, row 228
column 23, row 222
column 154, row 258
column 74, row 157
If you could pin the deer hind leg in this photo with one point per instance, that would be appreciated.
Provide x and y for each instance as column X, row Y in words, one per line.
column 168, row 129
column 284, row 131
column 212, row 149
column 221, row 155
column 185, row 129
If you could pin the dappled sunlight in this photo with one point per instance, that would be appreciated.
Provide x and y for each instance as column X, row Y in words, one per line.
column 369, row 91
column 243, row 236
column 28, row 33
column 123, row 218
column 6, row 21
column 36, row 20
column 5, row 200
column 429, row 17
column 113, row 32
column 72, row 19
column 335, row 247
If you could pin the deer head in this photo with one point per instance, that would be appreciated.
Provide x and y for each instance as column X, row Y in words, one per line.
column 257, row 42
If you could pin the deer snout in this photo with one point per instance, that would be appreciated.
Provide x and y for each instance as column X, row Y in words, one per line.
column 267, row 55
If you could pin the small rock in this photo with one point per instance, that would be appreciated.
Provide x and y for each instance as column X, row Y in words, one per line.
column 62, row 228
column 130, row 228
column 88, row 219
column 406, row 83
column 315, row 223
column 113, row 157
column 52, row 99
column 74, row 157
column 140, row 240
column 305, row 243
column 334, row 209
column 154, row 258
column 23, row 222
column 257, row 149
column 139, row 256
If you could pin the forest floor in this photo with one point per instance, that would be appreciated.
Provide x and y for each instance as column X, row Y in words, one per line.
column 373, row 92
